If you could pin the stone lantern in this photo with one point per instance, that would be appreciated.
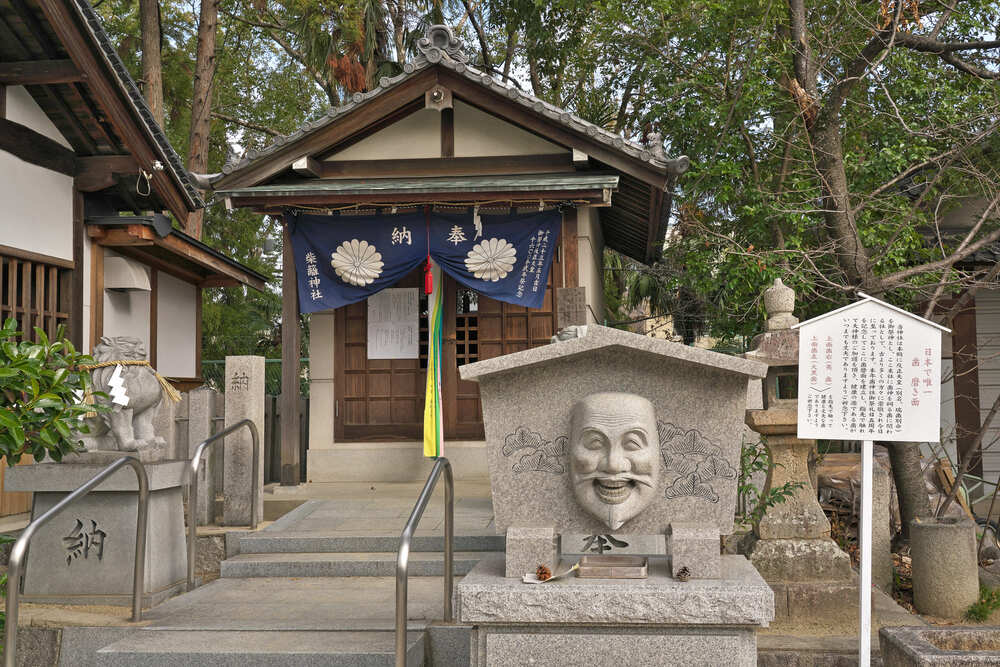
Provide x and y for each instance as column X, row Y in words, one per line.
column 792, row 548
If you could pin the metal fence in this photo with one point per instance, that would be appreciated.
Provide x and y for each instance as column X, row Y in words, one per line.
column 214, row 373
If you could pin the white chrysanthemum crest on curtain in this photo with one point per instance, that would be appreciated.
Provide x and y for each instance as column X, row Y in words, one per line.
column 357, row 262
column 491, row 260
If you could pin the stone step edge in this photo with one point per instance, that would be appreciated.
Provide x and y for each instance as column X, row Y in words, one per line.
column 262, row 543
column 195, row 647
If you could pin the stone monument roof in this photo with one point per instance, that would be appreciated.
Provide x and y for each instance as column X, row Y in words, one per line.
column 599, row 337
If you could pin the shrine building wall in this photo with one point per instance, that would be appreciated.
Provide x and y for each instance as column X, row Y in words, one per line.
column 37, row 213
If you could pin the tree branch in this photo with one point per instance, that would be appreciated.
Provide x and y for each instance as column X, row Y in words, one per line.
column 470, row 11
column 896, row 278
column 250, row 125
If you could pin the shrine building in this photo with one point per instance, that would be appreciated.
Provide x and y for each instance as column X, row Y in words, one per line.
column 514, row 201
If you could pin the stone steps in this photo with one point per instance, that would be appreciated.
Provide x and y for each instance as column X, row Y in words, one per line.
column 343, row 564
column 227, row 648
column 310, row 542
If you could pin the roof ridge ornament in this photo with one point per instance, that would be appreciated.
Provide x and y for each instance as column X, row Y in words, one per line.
column 440, row 42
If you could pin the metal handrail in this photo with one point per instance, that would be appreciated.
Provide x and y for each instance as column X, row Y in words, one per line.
column 21, row 547
column 403, row 556
column 193, row 488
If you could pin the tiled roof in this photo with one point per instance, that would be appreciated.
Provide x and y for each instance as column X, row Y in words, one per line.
column 451, row 57
column 171, row 161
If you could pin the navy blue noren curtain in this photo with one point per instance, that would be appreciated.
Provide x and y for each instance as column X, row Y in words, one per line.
column 341, row 260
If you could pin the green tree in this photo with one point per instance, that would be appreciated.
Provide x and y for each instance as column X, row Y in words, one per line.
column 41, row 394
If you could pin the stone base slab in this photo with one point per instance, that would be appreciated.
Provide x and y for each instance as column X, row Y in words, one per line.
column 943, row 646
column 71, row 476
column 494, row 646
column 803, row 560
column 149, row 598
column 817, row 600
column 154, row 454
column 741, row 597
column 638, row 622
column 86, row 554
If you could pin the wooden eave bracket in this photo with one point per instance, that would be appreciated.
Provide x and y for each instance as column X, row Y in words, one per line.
column 40, row 72
column 307, row 166
column 219, row 273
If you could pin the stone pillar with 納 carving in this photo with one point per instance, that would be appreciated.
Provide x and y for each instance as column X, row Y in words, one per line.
column 244, row 400
column 792, row 550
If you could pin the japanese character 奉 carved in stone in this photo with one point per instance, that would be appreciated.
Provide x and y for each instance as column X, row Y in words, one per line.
column 614, row 455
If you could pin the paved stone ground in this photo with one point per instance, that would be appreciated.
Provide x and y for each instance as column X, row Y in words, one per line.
column 381, row 508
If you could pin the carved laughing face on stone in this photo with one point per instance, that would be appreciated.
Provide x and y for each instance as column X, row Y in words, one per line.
column 614, row 456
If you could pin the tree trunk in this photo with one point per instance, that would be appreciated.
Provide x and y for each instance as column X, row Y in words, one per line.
column 152, row 68
column 906, row 473
column 852, row 256
column 201, row 100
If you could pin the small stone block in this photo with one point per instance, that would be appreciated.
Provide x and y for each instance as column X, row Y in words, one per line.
column 571, row 307
column 527, row 548
column 696, row 547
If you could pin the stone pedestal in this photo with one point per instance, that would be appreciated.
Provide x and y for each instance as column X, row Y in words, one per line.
column 86, row 554
column 793, row 550
column 641, row 622
column 695, row 547
column 527, row 548
column 244, row 400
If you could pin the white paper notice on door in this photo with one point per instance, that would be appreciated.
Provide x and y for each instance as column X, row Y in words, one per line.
column 394, row 324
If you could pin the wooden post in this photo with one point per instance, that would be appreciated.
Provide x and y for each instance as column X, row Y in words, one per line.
column 290, row 353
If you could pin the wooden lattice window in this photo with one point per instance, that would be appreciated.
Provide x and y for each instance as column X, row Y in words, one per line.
column 35, row 293
column 466, row 326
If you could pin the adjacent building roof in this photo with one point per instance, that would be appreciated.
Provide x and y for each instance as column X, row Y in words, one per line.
column 392, row 189
column 155, row 242
column 59, row 51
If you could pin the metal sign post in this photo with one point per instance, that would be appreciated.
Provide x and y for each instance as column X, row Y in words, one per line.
column 869, row 371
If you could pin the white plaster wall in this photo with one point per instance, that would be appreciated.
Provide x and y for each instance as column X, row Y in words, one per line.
column 479, row 134
column 21, row 109
column 415, row 136
column 321, row 367
column 176, row 327
column 126, row 313
column 37, row 211
column 590, row 252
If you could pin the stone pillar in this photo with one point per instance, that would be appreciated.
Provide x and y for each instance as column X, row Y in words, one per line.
column 244, row 400
column 945, row 575
column 881, row 529
column 793, row 537
column 201, row 409
column 321, row 366
column 809, row 574
column 165, row 426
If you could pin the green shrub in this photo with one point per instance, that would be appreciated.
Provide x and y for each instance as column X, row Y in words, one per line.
column 41, row 395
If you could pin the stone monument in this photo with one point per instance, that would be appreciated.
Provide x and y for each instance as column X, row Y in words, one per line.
column 86, row 554
column 793, row 550
column 244, row 400
column 606, row 431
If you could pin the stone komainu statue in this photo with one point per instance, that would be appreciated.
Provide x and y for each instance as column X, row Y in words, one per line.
column 125, row 427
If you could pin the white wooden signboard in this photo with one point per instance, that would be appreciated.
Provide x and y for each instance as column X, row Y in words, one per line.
column 394, row 324
column 869, row 371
